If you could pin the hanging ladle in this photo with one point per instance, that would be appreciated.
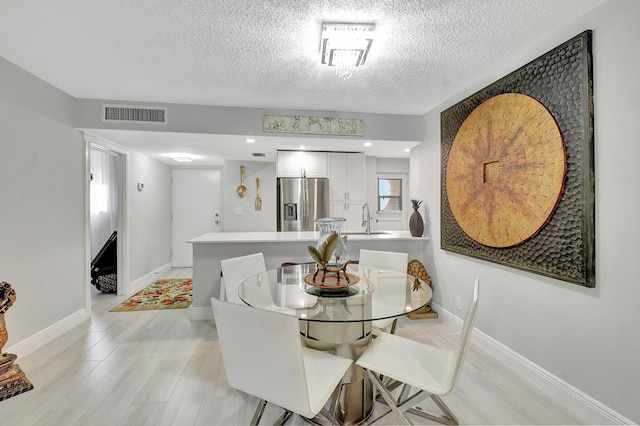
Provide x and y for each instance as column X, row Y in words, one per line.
column 242, row 190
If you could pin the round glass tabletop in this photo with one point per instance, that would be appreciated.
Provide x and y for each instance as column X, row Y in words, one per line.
column 370, row 294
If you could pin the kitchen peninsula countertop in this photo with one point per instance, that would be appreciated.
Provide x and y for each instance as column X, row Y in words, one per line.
column 275, row 237
column 278, row 248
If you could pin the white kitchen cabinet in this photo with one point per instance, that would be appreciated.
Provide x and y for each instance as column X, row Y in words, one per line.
column 289, row 164
column 352, row 211
column 315, row 164
column 302, row 163
column 346, row 176
column 347, row 188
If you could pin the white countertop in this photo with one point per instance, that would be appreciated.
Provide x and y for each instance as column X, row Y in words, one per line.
column 276, row 237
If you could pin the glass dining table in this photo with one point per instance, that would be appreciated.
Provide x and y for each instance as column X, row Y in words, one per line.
column 337, row 315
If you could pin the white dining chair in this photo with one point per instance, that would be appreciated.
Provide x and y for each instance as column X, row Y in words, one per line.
column 235, row 271
column 270, row 362
column 433, row 371
column 392, row 261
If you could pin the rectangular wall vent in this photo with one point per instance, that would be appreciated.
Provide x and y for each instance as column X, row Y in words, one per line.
column 133, row 114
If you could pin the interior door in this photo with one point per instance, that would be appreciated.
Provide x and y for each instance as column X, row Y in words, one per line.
column 195, row 210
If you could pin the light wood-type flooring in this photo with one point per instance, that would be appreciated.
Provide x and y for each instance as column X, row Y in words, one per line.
column 161, row 368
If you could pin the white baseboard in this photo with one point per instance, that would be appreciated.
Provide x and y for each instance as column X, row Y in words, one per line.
column 54, row 331
column 569, row 396
column 201, row 314
column 145, row 280
column 41, row 338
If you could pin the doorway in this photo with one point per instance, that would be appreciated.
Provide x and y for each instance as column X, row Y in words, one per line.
column 195, row 210
column 106, row 204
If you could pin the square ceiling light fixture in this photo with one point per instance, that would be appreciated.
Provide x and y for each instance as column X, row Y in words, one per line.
column 345, row 46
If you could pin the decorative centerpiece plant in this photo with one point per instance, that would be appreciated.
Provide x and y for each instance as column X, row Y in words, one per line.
column 322, row 256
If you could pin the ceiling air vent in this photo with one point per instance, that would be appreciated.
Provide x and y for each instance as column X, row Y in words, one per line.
column 133, row 114
column 258, row 154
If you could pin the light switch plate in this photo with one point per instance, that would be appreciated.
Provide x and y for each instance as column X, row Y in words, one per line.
column 239, row 211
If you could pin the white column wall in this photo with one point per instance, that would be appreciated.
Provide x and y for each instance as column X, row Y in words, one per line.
column 42, row 215
column 149, row 215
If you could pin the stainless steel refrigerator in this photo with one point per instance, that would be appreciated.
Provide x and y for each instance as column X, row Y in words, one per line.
column 300, row 202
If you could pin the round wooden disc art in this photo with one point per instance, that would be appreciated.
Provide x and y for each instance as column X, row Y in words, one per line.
column 506, row 170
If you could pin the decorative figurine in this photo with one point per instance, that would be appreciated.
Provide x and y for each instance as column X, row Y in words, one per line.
column 416, row 224
column 417, row 269
column 13, row 381
column 322, row 256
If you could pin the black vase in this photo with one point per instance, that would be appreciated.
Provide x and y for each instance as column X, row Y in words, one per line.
column 416, row 224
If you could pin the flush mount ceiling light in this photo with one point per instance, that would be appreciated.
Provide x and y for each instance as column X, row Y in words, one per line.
column 183, row 159
column 345, row 46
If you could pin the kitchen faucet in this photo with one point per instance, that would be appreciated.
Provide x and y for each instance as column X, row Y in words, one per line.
column 366, row 220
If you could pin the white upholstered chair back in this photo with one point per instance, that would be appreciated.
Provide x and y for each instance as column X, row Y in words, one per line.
column 265, row 360
column 269, row 361
column 432, row 370
column 460, row 351
column 390, row 260
column 235, row 271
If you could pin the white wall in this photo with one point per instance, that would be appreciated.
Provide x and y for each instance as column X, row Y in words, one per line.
column 149, row 215
column 587, row 337
column 251, row 219
column 42, row 191
column 392, row 165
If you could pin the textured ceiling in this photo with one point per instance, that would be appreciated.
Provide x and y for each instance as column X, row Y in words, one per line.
column 265, row 54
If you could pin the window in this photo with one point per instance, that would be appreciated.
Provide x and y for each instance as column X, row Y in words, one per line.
column 389, row 194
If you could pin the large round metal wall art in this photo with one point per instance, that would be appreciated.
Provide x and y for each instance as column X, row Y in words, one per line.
column 506, row 170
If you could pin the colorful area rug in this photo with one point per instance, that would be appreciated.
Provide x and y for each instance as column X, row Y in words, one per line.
column 174, row 293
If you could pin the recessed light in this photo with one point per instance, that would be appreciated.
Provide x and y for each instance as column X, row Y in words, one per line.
column 407, row 150
column 368, row 144
column 183, row 159
column 251, row 140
